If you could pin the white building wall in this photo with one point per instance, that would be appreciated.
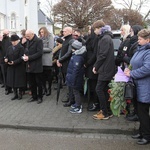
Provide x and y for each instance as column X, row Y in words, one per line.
column 31, row 11
column 18, row 7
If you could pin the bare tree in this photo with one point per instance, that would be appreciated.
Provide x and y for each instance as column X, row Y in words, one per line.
column 135, row 5
column 80, row 13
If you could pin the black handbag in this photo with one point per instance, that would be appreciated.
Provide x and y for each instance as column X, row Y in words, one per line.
column 129, row 90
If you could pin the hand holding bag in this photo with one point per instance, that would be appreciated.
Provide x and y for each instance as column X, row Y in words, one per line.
column 129, row 90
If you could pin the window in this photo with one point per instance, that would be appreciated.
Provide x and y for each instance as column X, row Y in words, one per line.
column 25, row 2
column 13, row 21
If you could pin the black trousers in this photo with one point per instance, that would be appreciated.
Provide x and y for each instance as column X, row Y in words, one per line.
column 103, row 96
column 35, row 80
column 47, row 76
column 144, row 118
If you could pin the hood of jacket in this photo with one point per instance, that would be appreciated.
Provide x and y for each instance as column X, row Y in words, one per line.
column 144, row 47
column 136, row 29
column 80, row 51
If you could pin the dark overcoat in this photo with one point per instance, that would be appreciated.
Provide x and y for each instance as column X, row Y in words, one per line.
column 16, row 74
column 65, row 53
column 105, row 63
column 91, row 46
column 35, row 52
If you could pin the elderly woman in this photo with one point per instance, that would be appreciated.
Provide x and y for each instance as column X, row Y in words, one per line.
column 141, row 75
column 124, row 46
column 48, row 45
column 16, row 76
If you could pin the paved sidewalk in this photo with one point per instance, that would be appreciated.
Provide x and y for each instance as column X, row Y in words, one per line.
column 48, row 116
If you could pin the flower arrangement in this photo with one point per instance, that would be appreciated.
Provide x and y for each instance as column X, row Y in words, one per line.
column 116, row 92
column 117, row 102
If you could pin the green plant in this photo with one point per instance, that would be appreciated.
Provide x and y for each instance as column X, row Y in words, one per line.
column 117, row 102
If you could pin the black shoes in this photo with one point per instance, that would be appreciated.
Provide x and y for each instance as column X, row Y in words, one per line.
column 93, row 107
column 15, row 97
column 7, row 92
column 2, row 86
column 32, row 99
column 136, row 136
column 68, row 104
column 19, row 96
column 132, row 118
column 39, row 101
column 143, row 141
column 48, row 92
column 66, row 100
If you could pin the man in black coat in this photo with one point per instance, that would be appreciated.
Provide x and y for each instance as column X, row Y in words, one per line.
column 65, row 54
column 33, row 59
column 5, row 43
column 104, row 67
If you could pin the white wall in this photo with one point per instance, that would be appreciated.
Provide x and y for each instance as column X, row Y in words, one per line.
column 21, row 10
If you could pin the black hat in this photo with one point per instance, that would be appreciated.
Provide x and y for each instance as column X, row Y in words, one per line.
column 59, row 40
column 14, row 37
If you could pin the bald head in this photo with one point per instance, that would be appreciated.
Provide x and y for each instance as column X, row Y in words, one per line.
column 67, row 31
column 6, row 32
column 29, row 34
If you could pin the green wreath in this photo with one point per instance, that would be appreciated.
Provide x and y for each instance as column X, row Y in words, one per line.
column 117, row 102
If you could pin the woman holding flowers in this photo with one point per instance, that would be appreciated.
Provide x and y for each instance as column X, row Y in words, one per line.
column 140, row 72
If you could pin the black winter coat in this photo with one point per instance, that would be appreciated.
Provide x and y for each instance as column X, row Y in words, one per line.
column 35, row 51
column 5, row 43
column 105, row 63
column 123, row 51
column 91, row 46
column 16, row 73
column 65, row 53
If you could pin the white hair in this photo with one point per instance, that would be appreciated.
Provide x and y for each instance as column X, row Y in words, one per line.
column 126, row 28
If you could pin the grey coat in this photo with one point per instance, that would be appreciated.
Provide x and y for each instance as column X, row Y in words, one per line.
column 48, row 44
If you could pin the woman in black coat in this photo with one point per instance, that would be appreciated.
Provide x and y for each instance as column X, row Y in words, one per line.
column 16, row 76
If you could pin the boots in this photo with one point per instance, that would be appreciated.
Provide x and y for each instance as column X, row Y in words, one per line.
column 15, row 95
column 20, row 95
column 48, row 92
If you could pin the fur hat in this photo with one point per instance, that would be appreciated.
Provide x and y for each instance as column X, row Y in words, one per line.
column 14, row 37
column 76, row 45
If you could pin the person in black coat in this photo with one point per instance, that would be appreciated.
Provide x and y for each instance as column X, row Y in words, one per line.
column 91, row 46
column 66, row 52
column 15, row 71
column 124, row 46
column 5, row 43
column 65, row 55
column 133, row 43
column 33, row 59
column 104, row 67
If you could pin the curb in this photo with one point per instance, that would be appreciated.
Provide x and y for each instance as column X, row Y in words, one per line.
column 70, row 130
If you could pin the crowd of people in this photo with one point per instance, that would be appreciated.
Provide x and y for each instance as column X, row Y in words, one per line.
column 33, row 61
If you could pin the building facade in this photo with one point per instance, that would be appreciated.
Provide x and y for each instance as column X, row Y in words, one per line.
column 16, row 15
